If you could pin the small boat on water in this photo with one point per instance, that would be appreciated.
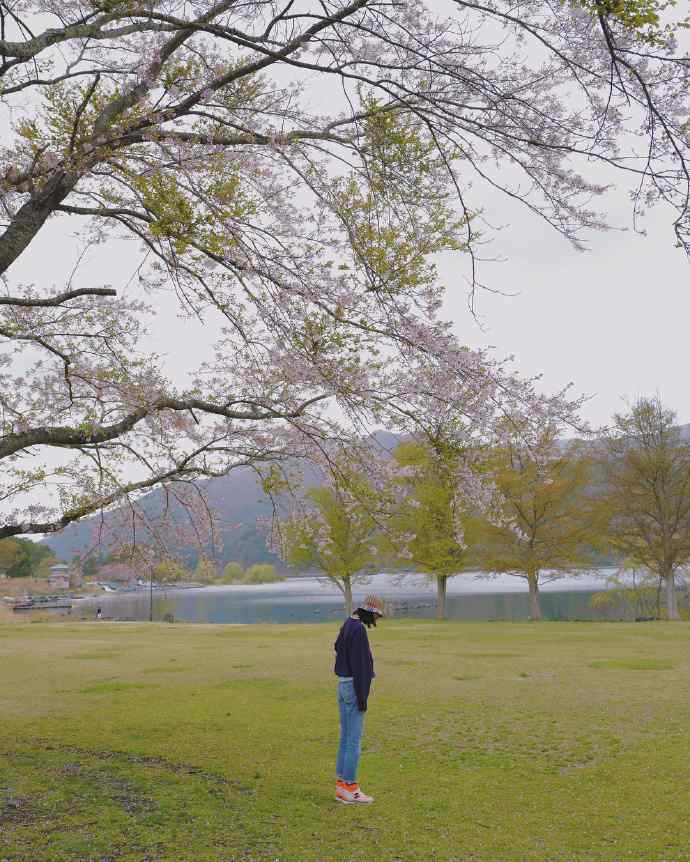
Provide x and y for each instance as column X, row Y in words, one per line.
column 28, row 603
column 17, row 602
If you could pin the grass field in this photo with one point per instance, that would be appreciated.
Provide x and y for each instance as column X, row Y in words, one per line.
column 483, row 742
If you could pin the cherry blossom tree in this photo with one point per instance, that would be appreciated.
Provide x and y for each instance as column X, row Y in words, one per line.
column 160, row 540
column 289, row 170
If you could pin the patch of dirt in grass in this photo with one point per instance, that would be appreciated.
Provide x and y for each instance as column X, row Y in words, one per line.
column 110, row 686
column 15, row 810
column 466, row 677
column 150, row 760
column 634, row 664
column 123, row 792
column 100, row 803
column 165, row 669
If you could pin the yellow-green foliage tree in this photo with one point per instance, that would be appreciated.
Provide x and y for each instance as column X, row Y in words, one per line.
column 645, row 493
column 169, row 572
column 21, row 558
column 262, row 573
column 430, row 528
column 648, row 20
column 333, row 529
column 633, row 596
column 10, row 554
column 544, row 524
column 42, row 570
column 233, row 573
column 206, row 571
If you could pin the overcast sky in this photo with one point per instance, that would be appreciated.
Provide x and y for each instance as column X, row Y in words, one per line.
column 613, row 320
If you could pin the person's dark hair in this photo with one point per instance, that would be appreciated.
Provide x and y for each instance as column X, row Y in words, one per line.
column 367, row 617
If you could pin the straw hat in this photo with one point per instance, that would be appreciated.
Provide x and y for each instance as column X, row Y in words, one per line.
column 374, row 604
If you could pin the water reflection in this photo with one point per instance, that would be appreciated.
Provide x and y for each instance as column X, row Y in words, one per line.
column 312, row 600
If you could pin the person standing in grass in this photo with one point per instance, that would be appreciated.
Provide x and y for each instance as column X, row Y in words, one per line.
column 354, row 666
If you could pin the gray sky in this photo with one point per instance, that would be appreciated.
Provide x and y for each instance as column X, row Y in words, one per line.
column 613, row 320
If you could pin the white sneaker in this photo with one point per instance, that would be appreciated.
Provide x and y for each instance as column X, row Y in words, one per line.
column 351, row 795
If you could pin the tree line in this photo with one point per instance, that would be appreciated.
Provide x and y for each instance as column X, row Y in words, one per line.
column 528, row 504
column 522, row 501
column 22, row 558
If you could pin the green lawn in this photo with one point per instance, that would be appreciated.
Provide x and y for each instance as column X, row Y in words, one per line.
column 492, row 742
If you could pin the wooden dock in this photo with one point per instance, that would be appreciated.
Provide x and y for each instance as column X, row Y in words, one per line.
column 29, row 603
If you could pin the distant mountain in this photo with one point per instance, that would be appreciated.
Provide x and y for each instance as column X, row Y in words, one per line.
column 237, row 500
column 592, row 442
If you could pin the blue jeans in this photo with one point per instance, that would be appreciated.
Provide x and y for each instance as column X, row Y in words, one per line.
column 351, row 724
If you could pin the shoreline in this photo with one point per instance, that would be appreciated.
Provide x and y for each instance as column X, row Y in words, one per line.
column 312, row 600
column 398, row 586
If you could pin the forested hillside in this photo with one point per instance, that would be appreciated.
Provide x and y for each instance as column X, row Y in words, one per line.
column 237, row 500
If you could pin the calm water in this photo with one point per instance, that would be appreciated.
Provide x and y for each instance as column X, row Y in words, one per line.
column 312, row 600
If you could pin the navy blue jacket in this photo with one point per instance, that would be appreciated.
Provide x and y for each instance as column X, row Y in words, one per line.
column 353, row 658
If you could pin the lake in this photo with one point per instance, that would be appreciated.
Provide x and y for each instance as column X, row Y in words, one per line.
column 300, row 600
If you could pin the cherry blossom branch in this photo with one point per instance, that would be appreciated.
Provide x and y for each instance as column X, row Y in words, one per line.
column 23, row 52
column 58, row 299
column 100, row 503
column 69, row 437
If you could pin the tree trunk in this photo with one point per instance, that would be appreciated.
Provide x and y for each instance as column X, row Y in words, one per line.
column 347, row 592
column 534, row 607
column 441, row 584
column 671, row 597
column 658, row 598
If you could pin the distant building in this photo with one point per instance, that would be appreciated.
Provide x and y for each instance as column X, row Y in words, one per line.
column 59, row 576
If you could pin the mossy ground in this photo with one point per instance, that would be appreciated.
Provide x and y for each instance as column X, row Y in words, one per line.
column 484, row 743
